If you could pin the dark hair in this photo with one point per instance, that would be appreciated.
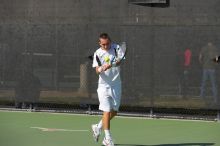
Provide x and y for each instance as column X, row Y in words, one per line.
column 104, row 36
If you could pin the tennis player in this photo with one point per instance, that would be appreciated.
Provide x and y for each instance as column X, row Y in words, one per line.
column 109, row 85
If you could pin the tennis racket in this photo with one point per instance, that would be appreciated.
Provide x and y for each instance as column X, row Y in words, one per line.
column 119, row 53
column 122, row 53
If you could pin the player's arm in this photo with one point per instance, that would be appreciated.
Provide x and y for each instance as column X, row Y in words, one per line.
column 97, row 64
column 99, row 69
column 118, row 62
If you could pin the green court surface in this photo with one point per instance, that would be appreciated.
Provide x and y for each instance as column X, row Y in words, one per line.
column 47, row 129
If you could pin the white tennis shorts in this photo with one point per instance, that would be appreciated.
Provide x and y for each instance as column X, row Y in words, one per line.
column 109, row 98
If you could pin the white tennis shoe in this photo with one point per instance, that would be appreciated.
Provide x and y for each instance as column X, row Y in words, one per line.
column 108, row 142
column 96, row 132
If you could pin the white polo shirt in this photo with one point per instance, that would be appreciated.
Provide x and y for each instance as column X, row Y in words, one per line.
column 110, row 77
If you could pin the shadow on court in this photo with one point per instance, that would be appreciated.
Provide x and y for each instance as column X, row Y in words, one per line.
column 179, row 144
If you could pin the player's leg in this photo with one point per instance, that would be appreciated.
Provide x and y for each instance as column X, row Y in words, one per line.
column 105, row 106
column 96, row 128
column 105, row 124
column 106, row 120
column 107, row 116
column 112, row 115
column 109, row 104
column 115, row 101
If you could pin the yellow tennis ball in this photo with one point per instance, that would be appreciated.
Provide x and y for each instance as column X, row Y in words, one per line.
column 107, row 59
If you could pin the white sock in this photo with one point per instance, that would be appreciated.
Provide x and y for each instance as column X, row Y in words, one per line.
column 100, row 125
column 107, row 134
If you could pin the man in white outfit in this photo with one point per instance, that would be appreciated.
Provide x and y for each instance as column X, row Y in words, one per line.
column 109, row 85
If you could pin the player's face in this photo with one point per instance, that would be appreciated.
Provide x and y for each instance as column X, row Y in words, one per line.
column 104, row 43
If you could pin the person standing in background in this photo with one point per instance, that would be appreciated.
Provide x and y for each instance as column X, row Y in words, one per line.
column 206, row 56
column 186, row 71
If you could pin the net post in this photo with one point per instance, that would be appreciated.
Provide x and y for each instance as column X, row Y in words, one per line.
column 218, row 116
column 151, row 112
column 89, row 111
column 83, row 78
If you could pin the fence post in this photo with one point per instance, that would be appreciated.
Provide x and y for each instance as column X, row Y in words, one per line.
column 151, row 113
column 83, row 78
column 218, row 116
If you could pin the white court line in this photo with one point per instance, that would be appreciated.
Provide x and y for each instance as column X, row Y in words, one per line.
column 55, row 129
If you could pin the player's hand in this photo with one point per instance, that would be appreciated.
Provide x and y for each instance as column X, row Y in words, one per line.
column 100, row 69
column 106, row 66
column 118, row 62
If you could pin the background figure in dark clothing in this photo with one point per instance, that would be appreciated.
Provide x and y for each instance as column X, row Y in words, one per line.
column 184, row 64
column 206, row 56
column 27, row 91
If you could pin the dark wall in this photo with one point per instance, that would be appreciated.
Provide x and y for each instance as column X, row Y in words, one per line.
column 51, row 38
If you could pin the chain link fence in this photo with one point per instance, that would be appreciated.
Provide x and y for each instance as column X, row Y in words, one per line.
column 44, row 64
